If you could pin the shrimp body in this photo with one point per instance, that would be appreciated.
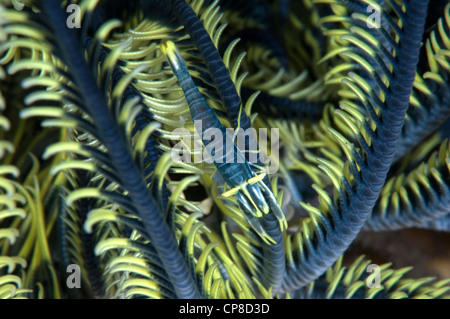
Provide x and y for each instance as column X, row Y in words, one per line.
column 254, row 198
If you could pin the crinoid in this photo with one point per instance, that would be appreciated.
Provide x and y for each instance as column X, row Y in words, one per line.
column 335, row 117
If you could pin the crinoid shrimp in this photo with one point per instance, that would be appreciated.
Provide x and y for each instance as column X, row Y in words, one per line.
column 254, row 198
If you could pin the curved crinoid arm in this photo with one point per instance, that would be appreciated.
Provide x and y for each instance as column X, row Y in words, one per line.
column 12, row 212
column 27, row 190
column 420, row 197
column 430, row 102
column 364, row 280
column 118, row 164
column 24, row 238
column 147, row 121
column 123, row 246
column 430, row 99
column 376, row 126
column 133, row 260
column 164, row 110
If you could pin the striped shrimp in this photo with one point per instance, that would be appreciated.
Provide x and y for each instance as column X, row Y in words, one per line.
column 254, row 198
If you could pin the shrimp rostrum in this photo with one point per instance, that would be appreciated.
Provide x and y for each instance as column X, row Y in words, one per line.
column 254, row 198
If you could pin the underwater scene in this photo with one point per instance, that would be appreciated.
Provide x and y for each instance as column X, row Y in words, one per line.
column 227, row 149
